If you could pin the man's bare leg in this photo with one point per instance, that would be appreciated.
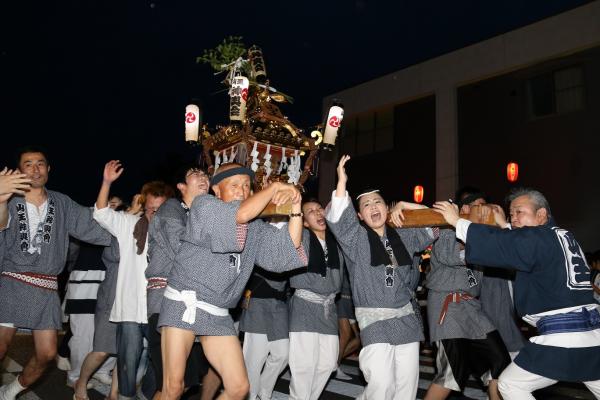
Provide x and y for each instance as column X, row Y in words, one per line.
column 354, row 343
column 210, row 384
column 436, row 392
column 225, row 355
column 92, row 362
column 6, row 336
column 493, row 392
column 345, row 335
column 176, row 345
column 45, row 343
column 114, row 388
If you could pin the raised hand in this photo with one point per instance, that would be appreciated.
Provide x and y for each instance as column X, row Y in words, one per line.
column 448, row 210
column 286, row 193
column 12, row 182
column 137, row 204
column 340, row 190
column 396, row 215
column 112, row 171
column 499, row 216
column 341, row 169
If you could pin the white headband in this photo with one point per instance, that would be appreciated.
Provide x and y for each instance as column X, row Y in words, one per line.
column 366, row 193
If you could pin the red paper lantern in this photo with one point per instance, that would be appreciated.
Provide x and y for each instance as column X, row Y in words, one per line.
column 512, row 171
column 418, row 193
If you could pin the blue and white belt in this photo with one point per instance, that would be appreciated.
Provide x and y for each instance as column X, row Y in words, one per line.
column 574, row 321
column 188, row 297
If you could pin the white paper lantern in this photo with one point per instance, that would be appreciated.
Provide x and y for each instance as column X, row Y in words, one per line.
column 238, row 95
column 334, row 120
column 192, row 122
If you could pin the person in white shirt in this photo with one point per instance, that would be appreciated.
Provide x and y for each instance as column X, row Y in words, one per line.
column 129, row 307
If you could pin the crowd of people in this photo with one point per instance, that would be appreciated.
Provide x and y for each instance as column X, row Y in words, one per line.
column 189, row 286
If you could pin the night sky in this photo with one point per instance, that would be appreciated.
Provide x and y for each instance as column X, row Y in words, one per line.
column 97, row 80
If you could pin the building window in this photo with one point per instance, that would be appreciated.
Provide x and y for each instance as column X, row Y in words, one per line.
column 568, row 86
column 384, row 129
column 556, row 92
column 348, row 137
column 368, row 133
column 365, row 133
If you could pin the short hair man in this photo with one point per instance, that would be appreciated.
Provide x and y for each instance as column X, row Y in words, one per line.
column 218, row 251
column 552, row 291
column 467, row 340
column 164, row 238
column 35, row 251
column 496, row 283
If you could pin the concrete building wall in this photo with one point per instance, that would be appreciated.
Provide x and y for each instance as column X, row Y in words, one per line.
column 557, row 154
column 549, row 40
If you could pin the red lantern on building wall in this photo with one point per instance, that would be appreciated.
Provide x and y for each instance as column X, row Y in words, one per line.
column 418, row 193
column 512, row 171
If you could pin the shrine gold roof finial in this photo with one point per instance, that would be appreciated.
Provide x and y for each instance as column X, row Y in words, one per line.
column 259, row 135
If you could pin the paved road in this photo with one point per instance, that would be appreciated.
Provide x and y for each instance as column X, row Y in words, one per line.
column 52, row 385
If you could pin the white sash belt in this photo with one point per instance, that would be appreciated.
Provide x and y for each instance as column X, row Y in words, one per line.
column 368, row 315
column 188, row 297
column 316, row 298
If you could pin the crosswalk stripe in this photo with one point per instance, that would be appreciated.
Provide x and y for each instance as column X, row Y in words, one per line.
column 9, row 377
column 346, row 388
column 335, row 390
column 11, row 365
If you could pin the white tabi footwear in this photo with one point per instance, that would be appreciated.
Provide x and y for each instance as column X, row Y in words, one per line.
column 339, row 374
column 11, row 390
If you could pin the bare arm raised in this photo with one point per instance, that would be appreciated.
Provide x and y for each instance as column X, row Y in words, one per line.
column 112, row 171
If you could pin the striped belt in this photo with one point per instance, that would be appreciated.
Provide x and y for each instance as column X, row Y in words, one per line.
column 452, row 298
column 156, row 282
column 575, row 321
column 49, row 282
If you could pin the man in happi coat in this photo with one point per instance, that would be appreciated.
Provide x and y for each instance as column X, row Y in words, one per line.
column 552, row 292
column 467, row 341
column 219, row 249
column 496, row 283
column 35, row 245
column 164, row 239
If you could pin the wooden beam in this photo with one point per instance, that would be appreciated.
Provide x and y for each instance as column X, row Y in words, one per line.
column 412, row 218
column 429, row 217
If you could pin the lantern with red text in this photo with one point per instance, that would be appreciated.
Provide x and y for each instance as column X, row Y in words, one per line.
column 512, row 171
column 192, row 122
column 418, row 193
column 332, row 124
